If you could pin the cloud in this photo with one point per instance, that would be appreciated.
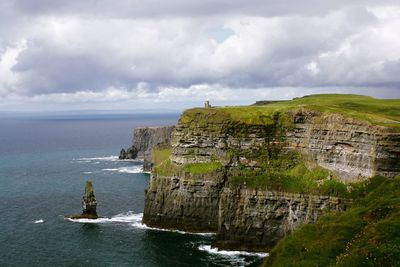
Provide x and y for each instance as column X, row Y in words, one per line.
column 82, row 49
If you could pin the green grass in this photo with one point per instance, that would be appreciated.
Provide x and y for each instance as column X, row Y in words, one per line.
column 160, row 155
column 384, row 112
column 287, row 172
column 163, row 165
column 201, row 168
column 368, row 234
column 166, row 168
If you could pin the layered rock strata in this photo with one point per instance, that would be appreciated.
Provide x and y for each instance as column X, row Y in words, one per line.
column 188, row 202
column 246, row 218
column 255, row 220
column 350, row 148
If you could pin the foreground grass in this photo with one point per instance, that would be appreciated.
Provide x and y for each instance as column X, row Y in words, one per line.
column 368, row 234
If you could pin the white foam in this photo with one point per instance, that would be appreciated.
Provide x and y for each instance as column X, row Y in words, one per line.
column 135, row 219
column 39, row 221
column 127, row 217
column 105, row 158
column 228, row 253
column 138, row 224
column 87, row 172
column 132, row 169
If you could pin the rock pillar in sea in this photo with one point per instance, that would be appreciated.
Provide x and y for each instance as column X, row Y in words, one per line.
column 89, row 203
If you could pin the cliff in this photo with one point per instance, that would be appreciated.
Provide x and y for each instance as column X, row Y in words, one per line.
column 145, row 139
column 253, row 174
column 367, row 234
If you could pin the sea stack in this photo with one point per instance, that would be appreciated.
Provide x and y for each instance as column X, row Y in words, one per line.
column 130, row 153
column 89, row 204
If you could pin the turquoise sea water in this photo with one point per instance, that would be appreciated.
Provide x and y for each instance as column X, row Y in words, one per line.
column 44, row 164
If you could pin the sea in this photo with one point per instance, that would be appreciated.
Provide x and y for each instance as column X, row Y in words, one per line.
column 44, row 163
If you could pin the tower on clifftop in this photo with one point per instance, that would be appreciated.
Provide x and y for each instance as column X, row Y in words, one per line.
column 207, row 104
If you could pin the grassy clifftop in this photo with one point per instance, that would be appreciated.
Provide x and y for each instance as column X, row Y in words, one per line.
column 385, row 112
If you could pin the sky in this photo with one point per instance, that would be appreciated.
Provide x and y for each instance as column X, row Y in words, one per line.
column 59, row 55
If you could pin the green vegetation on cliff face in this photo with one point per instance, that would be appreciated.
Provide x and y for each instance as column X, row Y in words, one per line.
column 384, row 112
column 368, row 234
column 288, row 173
column 203, row 167
column 163, row 166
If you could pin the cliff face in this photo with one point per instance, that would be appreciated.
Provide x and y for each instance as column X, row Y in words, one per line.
column 193, row 196
column 146, row 138
column 252, row 219
column 349, row 148
column 188, row 202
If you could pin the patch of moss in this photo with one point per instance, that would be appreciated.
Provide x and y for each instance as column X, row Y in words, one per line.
column 368, row 234
column 159, row 155
column 163, row 165
column 167, row 168
column 202, row 168
column 287, row 172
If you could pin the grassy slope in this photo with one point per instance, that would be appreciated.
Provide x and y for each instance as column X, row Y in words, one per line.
column 368, row 234
column 384, row 112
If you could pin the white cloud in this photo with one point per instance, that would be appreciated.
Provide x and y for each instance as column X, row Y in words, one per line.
column 78, row 53
column 8, row 59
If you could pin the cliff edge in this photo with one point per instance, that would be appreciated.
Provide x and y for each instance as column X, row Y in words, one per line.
column 252, row 174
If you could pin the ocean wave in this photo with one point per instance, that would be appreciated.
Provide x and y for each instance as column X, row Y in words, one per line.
column 138, row 224
column 105, row 158
column 229, row 253
column 39, row 221
column 127, row 217
column 132, row 169
column 135, row 219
